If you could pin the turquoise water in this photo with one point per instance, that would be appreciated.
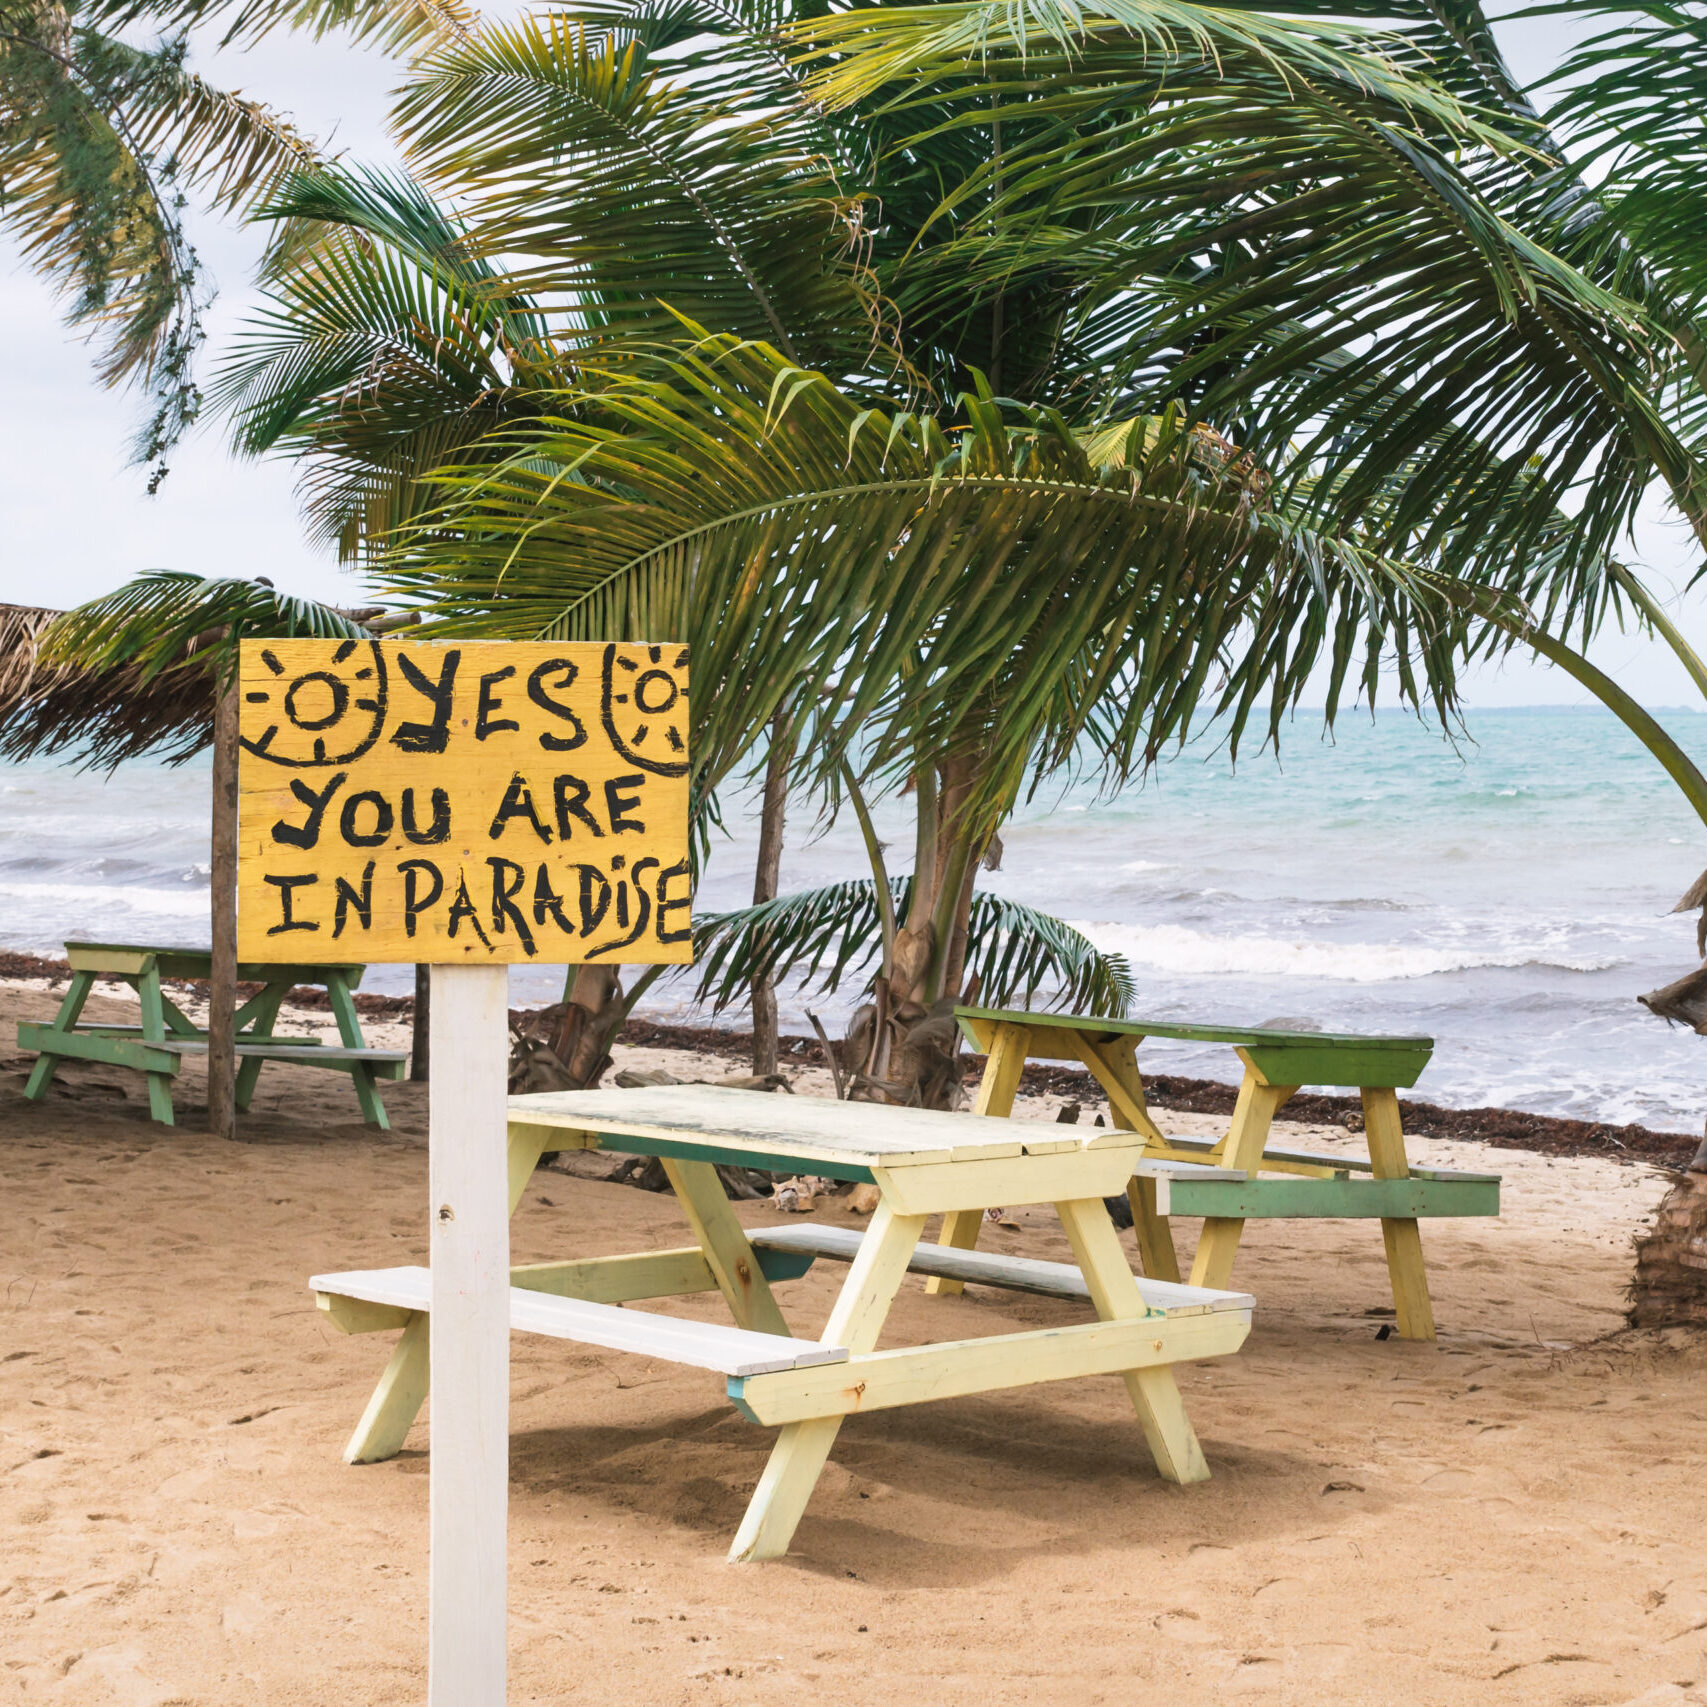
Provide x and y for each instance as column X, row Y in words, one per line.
column 1510, row 898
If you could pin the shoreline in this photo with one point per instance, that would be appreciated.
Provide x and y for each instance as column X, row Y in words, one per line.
column 1503, row 1128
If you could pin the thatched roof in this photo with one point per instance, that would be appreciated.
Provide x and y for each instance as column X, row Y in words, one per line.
column 135, row 673
column 19, row 627
column 102, row 716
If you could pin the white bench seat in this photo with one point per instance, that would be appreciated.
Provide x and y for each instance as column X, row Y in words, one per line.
column 702, row 1345
column 1017, row 1274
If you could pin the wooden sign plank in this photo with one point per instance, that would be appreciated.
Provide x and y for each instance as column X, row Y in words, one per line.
column 463, row 802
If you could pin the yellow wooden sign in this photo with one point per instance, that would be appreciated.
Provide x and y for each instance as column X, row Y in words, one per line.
column 463, row 802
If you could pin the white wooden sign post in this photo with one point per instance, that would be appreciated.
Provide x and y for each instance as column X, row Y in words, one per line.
column 469, row 806
column 468, row 1492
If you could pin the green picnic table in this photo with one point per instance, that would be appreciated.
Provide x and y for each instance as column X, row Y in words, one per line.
column 157, row 1046
column 1221, row 1180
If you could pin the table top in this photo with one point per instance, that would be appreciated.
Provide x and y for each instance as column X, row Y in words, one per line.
column 176, row 960
column 1281, row 1056
column 1247, row 1035
column 771, row 1129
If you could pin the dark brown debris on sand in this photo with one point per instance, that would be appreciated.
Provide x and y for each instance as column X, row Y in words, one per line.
column 1506, row 1128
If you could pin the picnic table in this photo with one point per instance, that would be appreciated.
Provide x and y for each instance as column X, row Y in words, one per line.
column 923, row 1163
column 157, row 1046
column 1221, row 1179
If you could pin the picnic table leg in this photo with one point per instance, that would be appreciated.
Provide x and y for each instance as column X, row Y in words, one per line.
column 257, row 1017
column 1003, row 1068
column 70, row 1010
column 154, row 1031
column 397, row 1400
column 1155, row 1395
column 1156, row 1253
column 1218, row 1243
column 1114, row 1066
column 350, row 1034
column 1386, row 1134
column 1241, row 1147
column 1154, row 1233
column 797, row 1459
column 402, row 1389
column 721, row 1236
column 178, row 1023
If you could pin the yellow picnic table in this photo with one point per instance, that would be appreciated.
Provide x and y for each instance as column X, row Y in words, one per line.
column 1221, row 1179
column 157, row 1046
column 923, row 1164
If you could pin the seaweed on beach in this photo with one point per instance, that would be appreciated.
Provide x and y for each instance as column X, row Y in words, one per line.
column 1505, row 1128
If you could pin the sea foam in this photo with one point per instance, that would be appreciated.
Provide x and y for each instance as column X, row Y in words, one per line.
column 1182, row 951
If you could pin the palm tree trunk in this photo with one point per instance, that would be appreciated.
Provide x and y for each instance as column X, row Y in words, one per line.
column 767, row 874
column 916, row 941
column 954, row 963
column 907, row 1037
column 592, row 1015
column 959, row 845
column 222, row 888
column 1670, row 1286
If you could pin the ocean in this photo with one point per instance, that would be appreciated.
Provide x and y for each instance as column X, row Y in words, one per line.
column 1508, row 896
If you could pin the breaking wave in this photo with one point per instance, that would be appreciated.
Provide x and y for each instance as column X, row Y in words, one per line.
column 1182, row 951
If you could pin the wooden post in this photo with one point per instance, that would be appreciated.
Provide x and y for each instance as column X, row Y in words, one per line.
column 467, row 1147
column 410, row 733
column 1385, row 1133
column 222, row 890
column 420, row 1027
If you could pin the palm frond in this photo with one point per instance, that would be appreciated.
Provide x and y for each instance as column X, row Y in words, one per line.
column 1268, row 232
column 96, row 216
column 166, row 615
column 137, row 672
column 237, row 151
column 726, row 497
column 386, row 350
column 99, row 140
column 1630, row 101
column 821, row 937
column 868, row 51
column 622, row 196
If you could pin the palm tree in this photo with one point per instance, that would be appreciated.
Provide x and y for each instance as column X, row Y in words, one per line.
column 1016, row 565
column 104, row 141
column 961, row 601
column 1505, row 353
column 1343, row 295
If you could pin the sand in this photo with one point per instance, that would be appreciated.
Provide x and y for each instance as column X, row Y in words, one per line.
column 1513, row 1514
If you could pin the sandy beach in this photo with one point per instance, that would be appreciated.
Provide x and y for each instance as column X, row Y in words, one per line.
column 1512, row 1514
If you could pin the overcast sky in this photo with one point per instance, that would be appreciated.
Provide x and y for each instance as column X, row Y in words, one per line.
column 75, row 520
